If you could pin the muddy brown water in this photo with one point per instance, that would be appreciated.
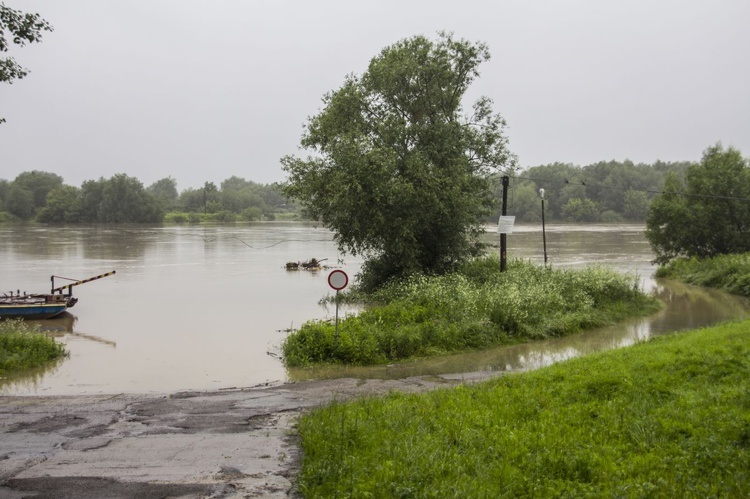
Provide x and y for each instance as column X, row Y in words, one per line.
column 206, row 307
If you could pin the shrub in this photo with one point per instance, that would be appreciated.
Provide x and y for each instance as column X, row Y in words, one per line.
column 22, row 346
column 730, row 273
column 476, row 307
column 176, row 217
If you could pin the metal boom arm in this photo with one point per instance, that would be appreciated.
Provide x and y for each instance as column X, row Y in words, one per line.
column 70, row 286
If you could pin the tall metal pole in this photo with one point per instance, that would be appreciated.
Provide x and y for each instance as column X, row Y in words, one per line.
column 544, row 233
column 503, row 242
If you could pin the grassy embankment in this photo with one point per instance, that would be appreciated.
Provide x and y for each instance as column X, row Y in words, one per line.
column 665, row 418
column 730, row 273
column 476, row 307
column 22, row 346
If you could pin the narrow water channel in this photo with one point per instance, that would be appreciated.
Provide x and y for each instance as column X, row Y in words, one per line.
column 206, row 307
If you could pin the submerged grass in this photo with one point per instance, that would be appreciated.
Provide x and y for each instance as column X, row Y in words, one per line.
column 730, row 273
column 476, row 307
column 666, row 418
column 23, row 346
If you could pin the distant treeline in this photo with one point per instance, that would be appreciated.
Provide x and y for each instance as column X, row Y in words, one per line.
column 43, row 197
column 609, row 191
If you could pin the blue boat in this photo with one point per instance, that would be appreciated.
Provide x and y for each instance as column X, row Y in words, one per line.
column 42, row 306
column 34, row 307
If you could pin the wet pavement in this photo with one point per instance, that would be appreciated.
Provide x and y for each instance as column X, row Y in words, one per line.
column 221, row 444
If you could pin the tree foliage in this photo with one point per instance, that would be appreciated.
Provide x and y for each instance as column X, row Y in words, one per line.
column 396, row 170
column 63, row 206
column 18, row 28
column 580, row 210
column 707, row 214
column 27, row 194
column 165, row 190
column 119, row 199
column 608, row 191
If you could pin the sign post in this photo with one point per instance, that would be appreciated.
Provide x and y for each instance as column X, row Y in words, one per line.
column 504, row 226
column 338, row 280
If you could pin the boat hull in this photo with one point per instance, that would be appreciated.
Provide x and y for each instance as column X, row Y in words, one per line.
column 35, row 307
column 32, row 312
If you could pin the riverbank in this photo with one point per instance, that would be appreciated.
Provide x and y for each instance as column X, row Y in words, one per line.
column 243, row 442
column 667, row 417
column 227, row 443
column 728, row 273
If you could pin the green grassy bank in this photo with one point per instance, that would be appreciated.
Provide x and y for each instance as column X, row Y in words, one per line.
column 22, row 346
column 665, row 418
column 730, row 273
column 476, row 307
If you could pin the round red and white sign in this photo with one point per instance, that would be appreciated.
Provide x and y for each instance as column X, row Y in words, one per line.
column 338, row 279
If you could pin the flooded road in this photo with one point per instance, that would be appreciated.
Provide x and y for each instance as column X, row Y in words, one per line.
column 206, row 307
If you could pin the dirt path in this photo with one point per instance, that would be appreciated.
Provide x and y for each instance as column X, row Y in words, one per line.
column 229, row 443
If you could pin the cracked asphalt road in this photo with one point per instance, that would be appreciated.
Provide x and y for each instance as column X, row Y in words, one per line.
column 221, row 444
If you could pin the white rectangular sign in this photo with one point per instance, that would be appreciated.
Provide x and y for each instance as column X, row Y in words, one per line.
column 505, row 225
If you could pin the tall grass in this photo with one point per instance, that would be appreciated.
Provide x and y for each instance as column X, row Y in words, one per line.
column 477, row 307
column 665, row 418
column 730, row 273
column 23, row 346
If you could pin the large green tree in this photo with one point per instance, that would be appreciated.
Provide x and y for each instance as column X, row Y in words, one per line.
column 27, row 194
column 19, row 28
column 165, row 190
column 63, row 206
column 40, row 184
column 119, row 199
column 124, row 200
column 397, row 170
column 706, row 215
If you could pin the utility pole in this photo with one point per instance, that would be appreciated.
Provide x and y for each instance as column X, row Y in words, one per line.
column 503, row 243
column 544, row 234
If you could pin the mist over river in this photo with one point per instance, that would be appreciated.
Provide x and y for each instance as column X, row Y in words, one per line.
column 206, row 307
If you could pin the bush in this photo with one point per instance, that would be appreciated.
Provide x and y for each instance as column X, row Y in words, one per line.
column 22, row 346
column 223, row 216
column 730, row 273
column 611, row 217
column 6, row 217
column 476, row 307
column 252, row 213
column 176, row 217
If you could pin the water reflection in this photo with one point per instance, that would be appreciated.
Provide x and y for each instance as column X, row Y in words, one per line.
column 60, row 324
column 31, row 380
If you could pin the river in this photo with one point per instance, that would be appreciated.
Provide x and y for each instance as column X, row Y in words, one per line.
column 206, row 307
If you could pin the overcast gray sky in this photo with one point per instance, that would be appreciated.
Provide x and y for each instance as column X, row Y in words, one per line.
column 203, row 90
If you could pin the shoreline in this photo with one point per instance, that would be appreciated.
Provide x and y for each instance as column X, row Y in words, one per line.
column 220, row 443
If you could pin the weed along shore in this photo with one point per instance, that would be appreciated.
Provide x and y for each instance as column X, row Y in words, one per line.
column 476, row 307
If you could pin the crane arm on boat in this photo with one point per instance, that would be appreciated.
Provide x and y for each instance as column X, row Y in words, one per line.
column 70, row 286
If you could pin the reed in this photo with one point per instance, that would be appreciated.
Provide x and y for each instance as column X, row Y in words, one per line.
column 23, row 346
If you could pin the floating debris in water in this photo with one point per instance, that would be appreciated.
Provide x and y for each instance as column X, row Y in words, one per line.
column 311, row 264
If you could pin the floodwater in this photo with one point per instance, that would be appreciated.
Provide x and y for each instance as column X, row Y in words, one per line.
column 206, row 307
